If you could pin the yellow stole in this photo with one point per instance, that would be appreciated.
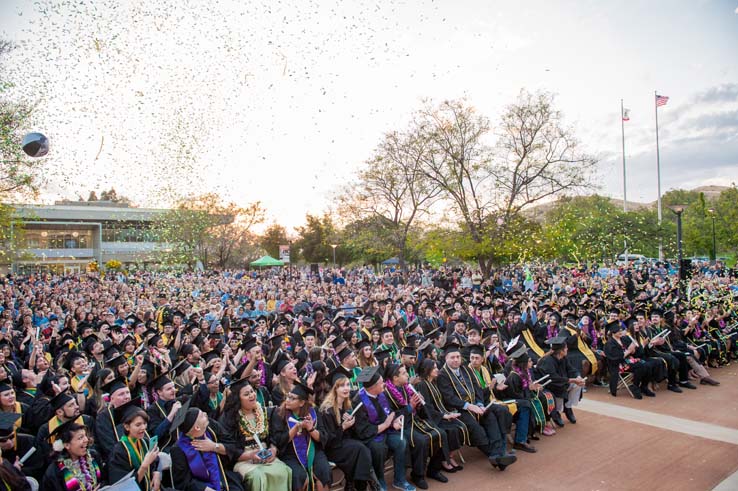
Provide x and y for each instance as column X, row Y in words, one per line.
column 584, row 349
column 528, row 336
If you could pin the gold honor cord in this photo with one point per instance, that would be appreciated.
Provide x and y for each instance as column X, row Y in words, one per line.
column 438, row 401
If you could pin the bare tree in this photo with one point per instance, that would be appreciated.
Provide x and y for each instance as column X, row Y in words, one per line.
column 393, row 189
column 488, row 187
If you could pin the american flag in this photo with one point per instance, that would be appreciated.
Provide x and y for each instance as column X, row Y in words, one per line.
column 661, row 100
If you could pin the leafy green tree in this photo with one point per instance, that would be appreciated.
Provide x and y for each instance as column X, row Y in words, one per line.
column 274, row 236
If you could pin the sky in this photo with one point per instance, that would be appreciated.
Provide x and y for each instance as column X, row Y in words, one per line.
column 282, row 102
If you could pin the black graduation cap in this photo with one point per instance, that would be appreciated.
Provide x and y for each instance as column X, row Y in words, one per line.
column 344, row 353
column 408, row 351
column 159, row 381
column 89, row 342
column 369, row 376
column 362, row 344
column 248, row 343
column 185, row 418
column 7, row 423
column 555, row 315
column 451, row 347
column 338, row 341
column 339, row 373
column 476, row 349
column 557, row 342
column 381, row 354
column 657, row 311
column 126, row 411
column 613, row 327
column 154, row 339
column 474, row 327
column 281, row 362
column 386, row 330
column 179, row 367
column 114, row 385
column 116, row 361
column 391, row 370
column 56, row 434
column 72, row 356
column 301, row 390
column 309, row 332
column 210, row 356
column 521, row 352
column 59, row 400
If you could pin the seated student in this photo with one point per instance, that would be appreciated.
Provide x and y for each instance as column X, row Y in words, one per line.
column 14, row 446
column 162, row 411
column 378, row 428
column 336, row 423
column 293, row 429
column 106, row 431
column 73, row 468
column 133, row 451
column 199, row 460
column 566, row 382
column 245, row 420
column 448, row 421
column 65, row 408
column 424, row 438
column 530, row 410
column 623, row 355
column 461, row 392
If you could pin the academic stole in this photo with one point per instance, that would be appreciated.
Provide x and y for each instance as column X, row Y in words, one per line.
column 136, row 451
column 303, row 446
column 528, row 336
column 470, row 396
column 584, row 349
column 485, row 380
column 17, row 409
column 417, row 422
column 438, row 401
column 54, row 424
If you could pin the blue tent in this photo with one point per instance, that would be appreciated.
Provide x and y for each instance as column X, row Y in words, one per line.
column 392, row 260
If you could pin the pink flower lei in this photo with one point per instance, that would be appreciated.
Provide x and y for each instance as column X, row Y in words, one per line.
column 396, row 393
column 524, row 375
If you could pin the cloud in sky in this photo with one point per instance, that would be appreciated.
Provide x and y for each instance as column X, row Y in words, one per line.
column 283, row 102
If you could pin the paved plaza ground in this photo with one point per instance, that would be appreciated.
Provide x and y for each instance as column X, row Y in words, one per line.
column 672, row 442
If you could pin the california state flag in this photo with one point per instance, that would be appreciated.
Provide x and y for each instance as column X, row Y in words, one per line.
column 626, row 114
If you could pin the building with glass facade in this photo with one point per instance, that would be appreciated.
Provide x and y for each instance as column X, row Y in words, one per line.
column 67, row 236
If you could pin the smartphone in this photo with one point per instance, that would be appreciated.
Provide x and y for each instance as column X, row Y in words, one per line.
column 153, row 442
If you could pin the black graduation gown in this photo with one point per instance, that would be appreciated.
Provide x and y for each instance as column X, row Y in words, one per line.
column 615, row 354
column 106, row 433
column 456, row 432
column 119, row 464
column 559, row 372
column 185, row 481
column 53, row 479
column 159, row 424
column 21, row 483
column 351, row 456
column 279, row 431
column 35, row 465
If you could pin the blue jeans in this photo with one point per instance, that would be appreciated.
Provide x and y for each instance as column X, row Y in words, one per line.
column 398, row 449
column 521, row 429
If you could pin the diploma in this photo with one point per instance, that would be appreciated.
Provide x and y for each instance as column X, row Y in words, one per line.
column 356, row 409
column 402, row 428
column 541, row 379
column 546, row 383
column 27, row 455
column 258, row 441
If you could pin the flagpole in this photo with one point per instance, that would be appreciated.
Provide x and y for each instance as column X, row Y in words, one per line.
column 625, row 186
column 658, row 176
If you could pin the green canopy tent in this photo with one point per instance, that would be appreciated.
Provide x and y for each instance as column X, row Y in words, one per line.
column 267, row 261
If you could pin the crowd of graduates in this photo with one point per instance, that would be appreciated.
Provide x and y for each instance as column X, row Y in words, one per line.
column 220, row 381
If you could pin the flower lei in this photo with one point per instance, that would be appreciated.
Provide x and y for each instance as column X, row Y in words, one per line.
column 78, row 475
column 247, row 429
column 396, row 394
column 524, row 375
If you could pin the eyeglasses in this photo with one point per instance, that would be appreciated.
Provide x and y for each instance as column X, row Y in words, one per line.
column 292, row 397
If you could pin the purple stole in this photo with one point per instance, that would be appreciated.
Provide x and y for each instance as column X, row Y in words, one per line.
column 304, row 446
column 372, row 411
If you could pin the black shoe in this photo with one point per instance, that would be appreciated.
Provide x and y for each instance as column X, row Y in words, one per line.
column 674, row 388
column 647, row 392
column 501, row 462
column 525, row 447
column 570, row 415
column 636, row 392
column 556, row 418
column 420, row 483
column 687, row 385
column 438, row 476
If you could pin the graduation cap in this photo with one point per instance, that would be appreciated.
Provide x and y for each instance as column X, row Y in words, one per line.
column 5, row 387
column 89, row 343
column 185, row 418
column 381, row 354
column 301, row 390
column 344, row 353
column 474, row 327
column 362, row 344
column 124, row 413
column 310, row 332
column 391, row 370
column 521, row 354
column 613, row 327
column 153, row 340
column 476, row 349
column 179, row 367
column 116, row 361
column 7, row 423
column 339, row 373
column 115, row 385
column 160, row 381
column 555, row 315
column 386, row 330
column 451, row 347
column 280, row 362
column 59, row 400
column 210, row 357
column 58, row 431
column 369, row 376
column 557, row 342
column 248, row 343
column 408, row 351
column 512, row 343
column 72, row 356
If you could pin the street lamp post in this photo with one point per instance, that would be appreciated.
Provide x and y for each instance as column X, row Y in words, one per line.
column 711, row 211
column 678, row 210
column 334, row 254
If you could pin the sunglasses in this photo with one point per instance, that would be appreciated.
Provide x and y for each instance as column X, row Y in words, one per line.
column 4, row 439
